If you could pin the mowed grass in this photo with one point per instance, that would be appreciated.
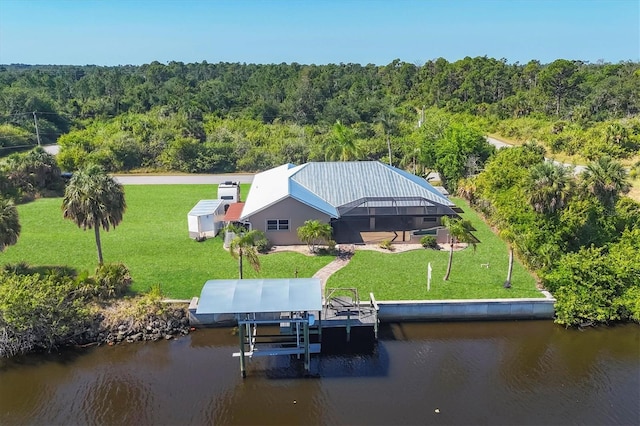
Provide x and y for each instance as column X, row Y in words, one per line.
column 403, row 276
column 152, row 241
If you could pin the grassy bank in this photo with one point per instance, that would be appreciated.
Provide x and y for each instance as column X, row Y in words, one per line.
column 153, row 242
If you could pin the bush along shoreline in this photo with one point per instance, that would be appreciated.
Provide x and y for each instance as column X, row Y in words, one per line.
column 43, row 309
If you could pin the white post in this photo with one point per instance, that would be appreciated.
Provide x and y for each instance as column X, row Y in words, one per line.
column 429, row 270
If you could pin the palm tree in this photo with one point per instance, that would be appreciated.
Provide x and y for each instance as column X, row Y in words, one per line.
column 467, row 189
column 93, row 199
column 388, row 124
column 509, row 236
column 245, row 245
column 41, row 167
column 606, row 179
column 459, row 231
column 313, row 232
column 9, row 224
column 342, row 144
column 548, row 187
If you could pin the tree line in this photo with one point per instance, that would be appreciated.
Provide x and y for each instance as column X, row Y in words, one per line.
column 146, row 113
column 578, row 232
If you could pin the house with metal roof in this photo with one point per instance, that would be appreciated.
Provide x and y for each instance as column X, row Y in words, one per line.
column 358, row 198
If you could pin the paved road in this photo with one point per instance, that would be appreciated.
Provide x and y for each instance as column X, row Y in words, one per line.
column 52, row 149
column 246, row 178
column 498, row 144
column 182, row 179
column 577, row 169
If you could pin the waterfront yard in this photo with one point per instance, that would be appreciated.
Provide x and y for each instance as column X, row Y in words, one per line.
column 475, row 274
column 153, row 242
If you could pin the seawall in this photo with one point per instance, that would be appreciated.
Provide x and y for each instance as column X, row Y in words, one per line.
column 467, row 309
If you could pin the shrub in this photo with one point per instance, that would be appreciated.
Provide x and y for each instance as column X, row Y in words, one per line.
column 110, row 280
column 429, row 241
column 38, row 312
column 263, row 245
column 386, row 244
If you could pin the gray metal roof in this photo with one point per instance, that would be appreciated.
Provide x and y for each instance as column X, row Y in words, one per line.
column 329, row 187
column 341, row 183
column 260, row 295
column 205, row 207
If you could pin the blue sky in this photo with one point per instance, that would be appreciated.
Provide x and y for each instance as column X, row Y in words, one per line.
column 135, row 32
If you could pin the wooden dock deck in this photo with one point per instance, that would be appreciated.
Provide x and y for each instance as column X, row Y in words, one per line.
column 340, row 311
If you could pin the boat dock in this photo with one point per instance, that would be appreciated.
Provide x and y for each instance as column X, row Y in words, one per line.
column 295, row 307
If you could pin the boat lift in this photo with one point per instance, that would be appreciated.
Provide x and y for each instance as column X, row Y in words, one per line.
column 293, row 304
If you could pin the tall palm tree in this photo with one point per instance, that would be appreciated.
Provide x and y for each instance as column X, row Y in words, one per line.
column 245, row 245
column 548, row 187
column 94, row 200
column 459, row 232
column 342, row 144
column 606, row 179
column 388, row 124
column 9, row 224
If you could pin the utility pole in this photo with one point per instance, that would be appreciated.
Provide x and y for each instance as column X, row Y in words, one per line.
column 35, row 120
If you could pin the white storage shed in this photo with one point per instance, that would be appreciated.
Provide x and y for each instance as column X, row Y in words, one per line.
column 206, row 219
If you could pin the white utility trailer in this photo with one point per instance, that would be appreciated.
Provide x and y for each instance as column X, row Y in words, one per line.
column 206, row 219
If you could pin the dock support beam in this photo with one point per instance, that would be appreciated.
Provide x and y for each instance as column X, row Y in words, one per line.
column 348, row 325
column 243, row 371
column 307, row 355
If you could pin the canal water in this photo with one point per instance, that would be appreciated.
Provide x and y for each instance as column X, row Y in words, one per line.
column 511, row 373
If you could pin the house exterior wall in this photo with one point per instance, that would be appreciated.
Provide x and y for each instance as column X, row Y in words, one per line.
column 288, row 209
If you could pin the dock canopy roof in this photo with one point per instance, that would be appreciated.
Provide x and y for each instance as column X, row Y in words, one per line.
column 260, row 295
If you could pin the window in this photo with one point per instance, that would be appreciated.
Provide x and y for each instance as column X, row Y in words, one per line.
column 227, row 197
column 278, row 225
column 429, row 220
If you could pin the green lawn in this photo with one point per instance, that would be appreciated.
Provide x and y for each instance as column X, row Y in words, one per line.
column 153, row 242
column 403, row 276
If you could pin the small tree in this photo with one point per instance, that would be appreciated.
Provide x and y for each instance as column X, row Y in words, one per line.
column 313, row 232
column 9, row 224
column 245, row 244
column 459, row 231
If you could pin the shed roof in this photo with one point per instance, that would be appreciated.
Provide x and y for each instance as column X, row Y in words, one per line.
column 260, row 295
column 234, row 212
column 205, row 207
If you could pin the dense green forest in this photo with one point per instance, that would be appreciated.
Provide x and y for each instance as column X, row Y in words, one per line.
column 205, row 117
column 580, row 234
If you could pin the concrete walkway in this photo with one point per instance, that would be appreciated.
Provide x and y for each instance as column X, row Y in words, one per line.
column 333, row 266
